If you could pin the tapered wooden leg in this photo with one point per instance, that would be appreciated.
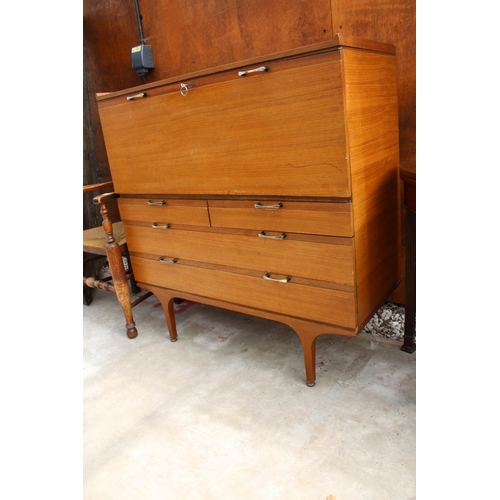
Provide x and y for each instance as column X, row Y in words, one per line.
column 167, row 299
column 170, row 316
column 308, row 341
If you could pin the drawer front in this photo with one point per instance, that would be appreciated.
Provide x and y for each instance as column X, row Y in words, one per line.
column 164, row 211
column 332, row 262
column 307, row 302
column 280, row 130
column 331, row 219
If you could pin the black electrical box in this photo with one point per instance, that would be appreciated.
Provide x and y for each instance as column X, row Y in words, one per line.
column 142, row 59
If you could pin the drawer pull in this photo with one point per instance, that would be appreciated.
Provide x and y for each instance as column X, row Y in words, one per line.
column 281, row 236
column 151, row 202
column 185, row 88
column 156, row 226
column 271, row 207
column 267, row 276
column 256, row 70
column 132, row 97
column 169, row 261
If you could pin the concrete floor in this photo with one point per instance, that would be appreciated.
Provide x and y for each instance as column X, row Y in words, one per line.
column 225, row 412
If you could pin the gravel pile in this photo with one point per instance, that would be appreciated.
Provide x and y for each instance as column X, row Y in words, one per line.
column 388, row 321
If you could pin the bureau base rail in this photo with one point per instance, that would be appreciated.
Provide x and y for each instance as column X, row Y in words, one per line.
column 308, row 331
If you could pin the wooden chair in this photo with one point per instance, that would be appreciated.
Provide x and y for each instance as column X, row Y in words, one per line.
column 109, row 241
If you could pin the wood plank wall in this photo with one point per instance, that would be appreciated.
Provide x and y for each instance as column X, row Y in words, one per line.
column 187, row 36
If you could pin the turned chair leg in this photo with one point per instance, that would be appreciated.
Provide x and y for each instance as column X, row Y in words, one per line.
column 118, row 273
column 122, row 289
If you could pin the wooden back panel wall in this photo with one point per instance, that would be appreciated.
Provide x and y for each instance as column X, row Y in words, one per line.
column 190, row 36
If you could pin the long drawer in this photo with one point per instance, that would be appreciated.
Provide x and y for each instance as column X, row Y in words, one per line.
column 164, row 211
column 326, row 259
column 253, row 290
column 333, row 219
column 275, row 132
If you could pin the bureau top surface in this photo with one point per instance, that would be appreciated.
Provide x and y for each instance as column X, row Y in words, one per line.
column 338, row 42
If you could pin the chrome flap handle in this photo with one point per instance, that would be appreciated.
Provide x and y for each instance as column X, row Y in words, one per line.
column 256, row 70
column 167, row 261
column 269, row 207
column 267, row 276
column 137, row 96
column 151, row 202
column 156, row 226
column 281, row 236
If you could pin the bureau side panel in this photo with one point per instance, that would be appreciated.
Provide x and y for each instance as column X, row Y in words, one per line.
column 274, row 133
column 372, row 132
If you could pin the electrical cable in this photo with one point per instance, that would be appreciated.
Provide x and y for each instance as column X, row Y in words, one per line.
column 139, row 23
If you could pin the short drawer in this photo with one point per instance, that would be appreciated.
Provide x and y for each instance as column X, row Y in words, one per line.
column 293, row 299
column 164, row 211
column 327, row 259
column 332, row 219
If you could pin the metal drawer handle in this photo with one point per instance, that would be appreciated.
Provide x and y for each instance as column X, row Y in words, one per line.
column 156, row 226
column 245, row 73
column 132, row 97
column 151, row 202
column 267, row 276
column 272, row 207
column 281, row 236
column 170, row 261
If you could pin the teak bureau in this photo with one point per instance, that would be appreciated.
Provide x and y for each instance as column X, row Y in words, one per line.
column 268, row 187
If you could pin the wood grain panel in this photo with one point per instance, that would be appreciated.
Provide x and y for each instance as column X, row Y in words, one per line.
column 391, row 21
column 371, row 104
column 279, row 133
column 307, row 259
column 188, row 35
column 307, row 302
column 333, row 219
